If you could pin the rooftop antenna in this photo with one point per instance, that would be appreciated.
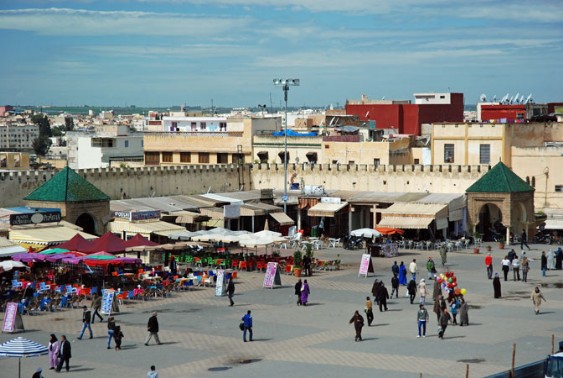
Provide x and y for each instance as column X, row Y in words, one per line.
column 495, row 98
column 528, row 99
column 522, row 99
column 516, row 97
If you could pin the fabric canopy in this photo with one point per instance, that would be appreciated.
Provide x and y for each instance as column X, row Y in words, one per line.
column 390, row 231
column 77, row 243
column 415, row 223
column 325, row 209
column 9, row 265
column 108, row 242
column 139, row 240
column 282, row 218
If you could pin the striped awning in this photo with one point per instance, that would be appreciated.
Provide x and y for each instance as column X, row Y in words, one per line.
column 325, row 209
column 282, row 218
column 413, row 223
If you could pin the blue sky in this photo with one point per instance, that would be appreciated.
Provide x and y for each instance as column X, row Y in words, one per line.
column 162, row 53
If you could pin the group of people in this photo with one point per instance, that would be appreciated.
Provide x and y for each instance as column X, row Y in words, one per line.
column 59, row 353
column 302, row 292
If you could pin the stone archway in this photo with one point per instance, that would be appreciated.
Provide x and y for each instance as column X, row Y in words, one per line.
column 490, row 222
column 87, row 223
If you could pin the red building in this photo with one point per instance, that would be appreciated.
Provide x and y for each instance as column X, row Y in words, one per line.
column 406, row 116
column 506, row 113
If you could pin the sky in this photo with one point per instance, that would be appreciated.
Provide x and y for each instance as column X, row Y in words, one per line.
column 227, row 52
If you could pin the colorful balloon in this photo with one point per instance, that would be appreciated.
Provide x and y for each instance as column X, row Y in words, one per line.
column 463, row 291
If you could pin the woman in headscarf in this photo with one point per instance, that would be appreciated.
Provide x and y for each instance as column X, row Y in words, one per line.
column 422, row 291
column 559, row 258
column 537, row 297
column 463, row 313
column 402, row 274
column 358, row 321
column 53, row 351
column 305, row 293
column 551, row 260
column 496, row 286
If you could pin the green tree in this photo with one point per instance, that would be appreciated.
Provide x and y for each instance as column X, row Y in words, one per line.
column 41, row 145
column 42, row 121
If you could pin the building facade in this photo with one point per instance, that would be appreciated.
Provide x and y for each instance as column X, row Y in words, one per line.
column 15, row 136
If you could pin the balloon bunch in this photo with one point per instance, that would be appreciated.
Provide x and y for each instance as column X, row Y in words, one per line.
column 448, row 282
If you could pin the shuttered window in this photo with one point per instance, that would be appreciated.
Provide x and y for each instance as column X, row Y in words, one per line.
column 484, row 154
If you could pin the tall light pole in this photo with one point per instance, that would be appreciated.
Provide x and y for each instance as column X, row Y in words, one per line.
column 285, row 84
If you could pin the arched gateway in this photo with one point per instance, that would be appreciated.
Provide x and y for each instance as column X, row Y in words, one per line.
column 498, row 200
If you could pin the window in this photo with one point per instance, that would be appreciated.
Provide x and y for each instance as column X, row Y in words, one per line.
column 203, row 158
column 448, row 153
column 222, row 158
column 167, row 157
column 185, row 157
column 417, row 161
column 559, row 188
column 484, row 154
column 126, row 144
column 222, row 126
column 238, row 158
column 203, row 126
column 193, row 126
column 376, row 162
column 152, row 158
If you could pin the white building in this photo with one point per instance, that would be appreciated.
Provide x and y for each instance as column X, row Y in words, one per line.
column 17, row 136
column 104, row 149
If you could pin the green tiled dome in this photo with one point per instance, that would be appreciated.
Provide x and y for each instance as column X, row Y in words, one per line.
column 500, row 179
column 67, row 186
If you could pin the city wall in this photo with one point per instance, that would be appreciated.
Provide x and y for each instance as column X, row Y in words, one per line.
column 121, row 183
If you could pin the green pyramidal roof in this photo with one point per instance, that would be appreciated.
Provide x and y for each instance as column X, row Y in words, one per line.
column 500, row 179
column 67, row 186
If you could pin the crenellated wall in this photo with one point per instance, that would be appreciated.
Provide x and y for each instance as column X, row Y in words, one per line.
column 197, row 179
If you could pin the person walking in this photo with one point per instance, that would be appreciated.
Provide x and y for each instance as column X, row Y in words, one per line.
column 559, row 259
column 374, row 289
column 439, row 305
column 422, row 318
column 444, row 254
column 358, row 321
column 86, row 317
column 247, row 323
column 413, row 269
column 173, row 266
column 96, row 306
column 489, row 265
column 436, row 290
column 38, row 373
column 152, row 373
column 111, row 330
column 298, row 291
column 537, row 297
column 524, row 240
column 64, row 354
column 117, row 337
column 444, row 321
column 231, row 291
column 463, row 313
column 402, row 274
column 525, row 267
column 496, row 286
column 411, row 290
column 305, row 291
column 369, row 310
column 382, row 296
column 394, row 286
column 543, row 264
column 505, row 267
column 422, row 291
column 307, row 265
column 516, row 268
column 430, row 267
column 152, row 328
column 395, row 268
column 454, row 308
column 53, row 351
column 551, row 260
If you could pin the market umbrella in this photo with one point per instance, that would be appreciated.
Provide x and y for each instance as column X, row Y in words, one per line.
column 9, row 265
column 53, row 251
column 390, row 230
column 21, row 348
column 366, row 233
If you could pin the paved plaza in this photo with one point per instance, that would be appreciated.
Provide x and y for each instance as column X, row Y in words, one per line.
column 200, row 333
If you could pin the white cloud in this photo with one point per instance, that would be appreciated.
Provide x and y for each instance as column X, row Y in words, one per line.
column 72, row 22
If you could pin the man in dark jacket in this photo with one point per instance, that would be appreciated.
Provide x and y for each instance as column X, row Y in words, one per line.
column 64, row 354
column 96, row 306
column 86, row 317
column 382, row 296
column 152, row 327
column 231, row 291
column 298, row 291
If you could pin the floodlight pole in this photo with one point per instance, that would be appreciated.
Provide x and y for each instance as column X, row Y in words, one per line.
column 285, row 83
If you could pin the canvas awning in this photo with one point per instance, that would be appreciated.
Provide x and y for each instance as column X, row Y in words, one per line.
column 50, row 235
column 426, row 211
column 186, row 217
column 554, row 224
column 7, row 248
column 143, row 228
column 323, row 209
column 282, row 218
column 406, row 222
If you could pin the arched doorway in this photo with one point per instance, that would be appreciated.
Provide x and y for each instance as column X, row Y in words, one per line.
column 87, row 223
column 490, row 224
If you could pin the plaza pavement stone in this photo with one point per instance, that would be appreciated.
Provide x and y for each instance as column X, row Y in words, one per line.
column 201, row 338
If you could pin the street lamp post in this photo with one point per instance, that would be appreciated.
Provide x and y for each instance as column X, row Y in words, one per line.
column 285, row 84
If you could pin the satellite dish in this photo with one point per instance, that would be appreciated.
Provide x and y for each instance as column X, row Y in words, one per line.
column 495, row 98
column 528, row 99
column 483, row 97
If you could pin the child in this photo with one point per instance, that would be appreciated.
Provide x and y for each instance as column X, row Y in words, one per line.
column 117, row 336
column 454, row 306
